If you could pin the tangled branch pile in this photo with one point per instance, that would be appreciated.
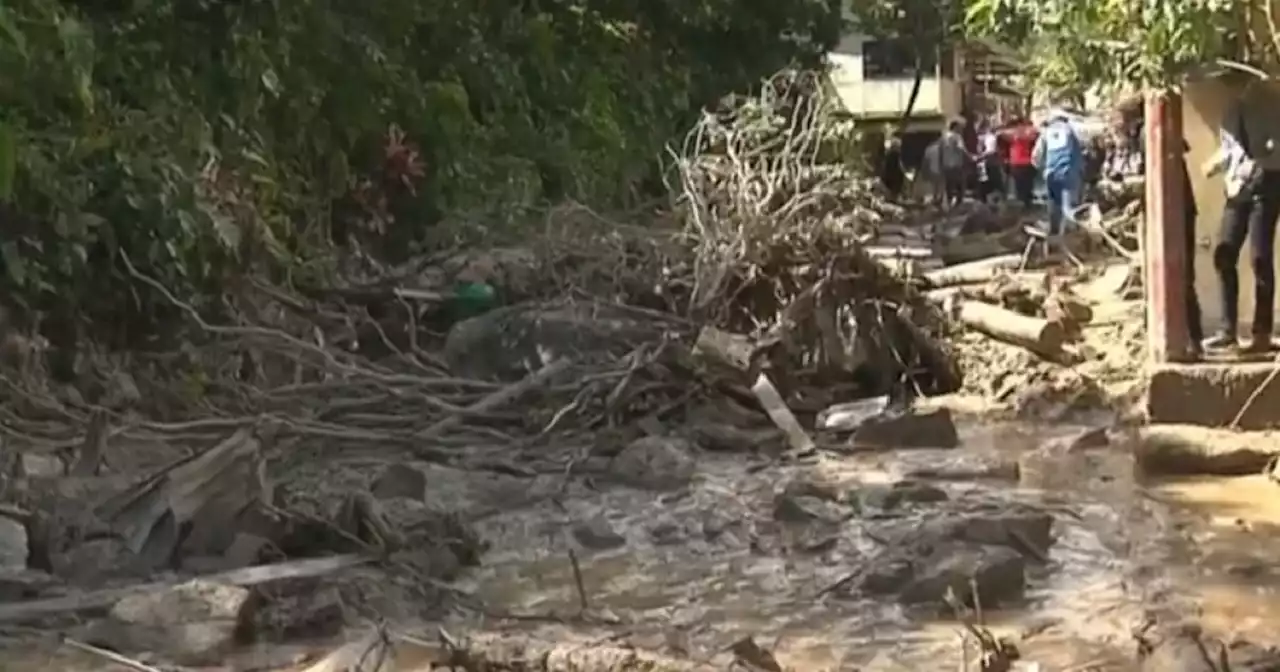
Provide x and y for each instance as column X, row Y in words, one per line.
column 778, row 218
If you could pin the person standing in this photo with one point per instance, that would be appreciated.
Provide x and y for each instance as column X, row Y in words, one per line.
column 953, row 156
column 1059, row 154
column 1022, row 136
column 1250, row 162
column 990, row 170
column 892, row 175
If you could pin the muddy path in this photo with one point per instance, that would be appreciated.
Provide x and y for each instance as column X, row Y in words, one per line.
column 838, row 562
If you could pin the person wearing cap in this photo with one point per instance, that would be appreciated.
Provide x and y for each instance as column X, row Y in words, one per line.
column 1059, row 155
column 1249, row 160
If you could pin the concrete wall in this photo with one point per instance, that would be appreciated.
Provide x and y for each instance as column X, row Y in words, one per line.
column 1204, row 104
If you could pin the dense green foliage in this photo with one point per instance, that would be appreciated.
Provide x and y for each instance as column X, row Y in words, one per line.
column 1123, row 42
column 207, row 138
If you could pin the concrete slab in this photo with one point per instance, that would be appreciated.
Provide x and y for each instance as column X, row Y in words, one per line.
column 1212, row 394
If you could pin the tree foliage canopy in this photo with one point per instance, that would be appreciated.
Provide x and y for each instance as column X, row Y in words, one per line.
column 205, row 138
column 1143, row 42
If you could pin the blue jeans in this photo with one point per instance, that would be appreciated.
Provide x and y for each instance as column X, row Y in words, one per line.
column 1063, row 190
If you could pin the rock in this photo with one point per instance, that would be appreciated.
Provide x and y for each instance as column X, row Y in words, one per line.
column 302, row 614
column 194, row 623
column 998, row 574
column 22, row 584
column 790, row 508
column 1187, row 450
column 1181, row 648
column 722, row 437
column 887, row 577
column 508, row 343
column 1014, row 529
column 924, row 429
column 887, row 497
column 245, row 550
column 41, row 465
column 400, row 480
column 14, row 546
column 655, row 463
column 598, row 534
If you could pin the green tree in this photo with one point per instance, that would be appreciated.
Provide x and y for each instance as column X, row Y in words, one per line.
column 206, row 139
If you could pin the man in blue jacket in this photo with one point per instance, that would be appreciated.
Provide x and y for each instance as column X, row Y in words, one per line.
column 1059, row 155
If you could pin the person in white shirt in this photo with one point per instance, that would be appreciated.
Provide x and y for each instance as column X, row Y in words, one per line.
column 989, row 164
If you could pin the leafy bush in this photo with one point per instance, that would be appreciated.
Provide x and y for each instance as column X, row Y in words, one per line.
column 206, row 139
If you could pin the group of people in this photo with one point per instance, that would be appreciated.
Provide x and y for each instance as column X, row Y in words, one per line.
column 1017, row 152
column 1247, row 156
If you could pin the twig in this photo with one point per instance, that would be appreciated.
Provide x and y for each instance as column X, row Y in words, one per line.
column 110, row 655
column 1256, row 393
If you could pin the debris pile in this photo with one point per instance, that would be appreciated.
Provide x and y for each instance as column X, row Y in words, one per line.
column 288, row 468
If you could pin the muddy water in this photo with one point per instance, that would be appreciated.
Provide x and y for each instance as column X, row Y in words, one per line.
column 700, row 569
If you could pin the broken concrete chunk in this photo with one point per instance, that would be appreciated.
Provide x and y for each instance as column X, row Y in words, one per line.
column 13, row 544
column 193, row 623
column 655, row 463
column 926, row 429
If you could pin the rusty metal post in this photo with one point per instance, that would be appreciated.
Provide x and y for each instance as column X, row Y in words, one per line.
column 1165, row 261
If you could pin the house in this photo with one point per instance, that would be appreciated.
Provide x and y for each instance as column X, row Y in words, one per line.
column 874, row 81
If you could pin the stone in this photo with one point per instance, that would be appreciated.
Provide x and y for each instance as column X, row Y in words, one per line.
column 598, row 534
column 303, row 614
column 912, row 429
column 400, row 480
column 888, row 497
column 655, row 463
column 789, row 508
column 14, row 545
column 245, row 550
column 998, row 573
column 194, row 623
column 23, row 584
column 995, row 528
column 41, row 465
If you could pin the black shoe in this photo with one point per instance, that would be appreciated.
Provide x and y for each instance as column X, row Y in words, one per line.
column 1221, row 341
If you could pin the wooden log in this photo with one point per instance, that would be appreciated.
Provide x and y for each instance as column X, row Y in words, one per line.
column 1036, row 334
column 973, row 272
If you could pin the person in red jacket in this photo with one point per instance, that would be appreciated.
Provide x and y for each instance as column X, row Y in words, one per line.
column 1021, row 136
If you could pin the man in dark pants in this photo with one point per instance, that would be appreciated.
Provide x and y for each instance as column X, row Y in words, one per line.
column 1251, row 165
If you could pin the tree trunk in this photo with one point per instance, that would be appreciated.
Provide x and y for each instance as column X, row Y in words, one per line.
column 916, row 81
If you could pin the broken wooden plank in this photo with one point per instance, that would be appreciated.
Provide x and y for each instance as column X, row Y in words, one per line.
column 782, row 417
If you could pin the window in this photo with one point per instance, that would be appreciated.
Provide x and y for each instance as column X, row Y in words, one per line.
column 895, row 59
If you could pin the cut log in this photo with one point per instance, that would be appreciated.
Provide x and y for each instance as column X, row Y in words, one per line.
column 973, row 272
column 1038, row 335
